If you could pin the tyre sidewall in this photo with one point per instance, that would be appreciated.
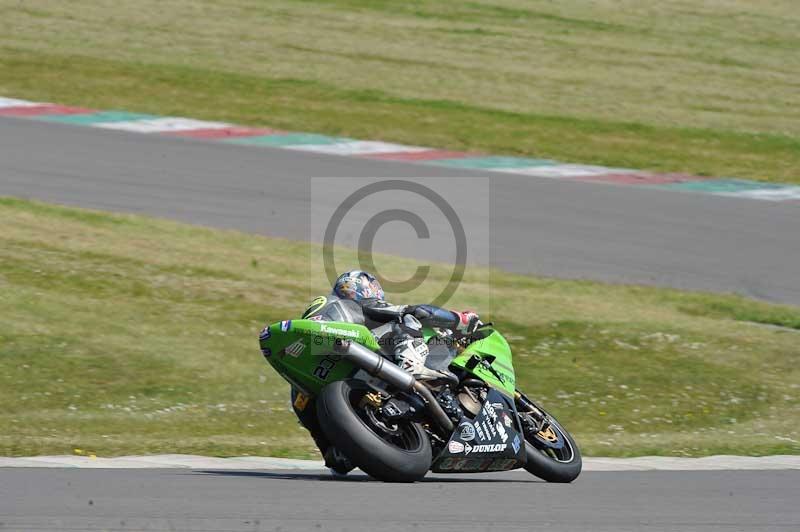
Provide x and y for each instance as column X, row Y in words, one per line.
column 375, row 456
column 550, row 470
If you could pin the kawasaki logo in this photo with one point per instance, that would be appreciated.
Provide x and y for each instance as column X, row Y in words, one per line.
column 340, row 332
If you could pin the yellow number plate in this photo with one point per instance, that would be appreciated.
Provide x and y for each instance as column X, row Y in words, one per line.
column 301, row 401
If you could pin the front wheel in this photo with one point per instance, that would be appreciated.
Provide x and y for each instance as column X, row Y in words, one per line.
column 393, row 453
column 552, row 454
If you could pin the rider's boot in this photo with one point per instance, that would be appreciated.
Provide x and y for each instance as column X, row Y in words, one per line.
column 338, row 463
column 410, row 353
column 306, row 414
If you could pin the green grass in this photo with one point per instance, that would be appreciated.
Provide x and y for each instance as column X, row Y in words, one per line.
column 709, row 88
column 122, row 335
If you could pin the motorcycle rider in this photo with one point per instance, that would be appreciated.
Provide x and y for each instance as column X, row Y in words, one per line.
column 357, row 297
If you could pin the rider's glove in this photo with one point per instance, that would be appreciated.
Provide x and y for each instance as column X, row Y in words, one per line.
column 468, row 321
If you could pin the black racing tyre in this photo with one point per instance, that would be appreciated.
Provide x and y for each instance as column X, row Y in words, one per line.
column 562, row 464
column 401, row 457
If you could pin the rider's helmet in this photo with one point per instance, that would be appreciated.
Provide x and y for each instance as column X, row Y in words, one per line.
column 357, row 285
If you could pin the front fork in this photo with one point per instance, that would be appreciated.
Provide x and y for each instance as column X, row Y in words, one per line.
column 536, row 420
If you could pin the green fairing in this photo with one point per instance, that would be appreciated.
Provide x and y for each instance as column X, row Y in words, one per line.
column 312, row 365
column 495, row 350
column 316, row 365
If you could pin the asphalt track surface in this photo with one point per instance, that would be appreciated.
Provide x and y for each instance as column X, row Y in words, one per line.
column 164, row 499
column 547, row 226
column 552, row 227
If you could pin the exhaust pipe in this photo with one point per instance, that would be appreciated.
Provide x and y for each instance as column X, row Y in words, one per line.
column 377, row 366
column 434, row 408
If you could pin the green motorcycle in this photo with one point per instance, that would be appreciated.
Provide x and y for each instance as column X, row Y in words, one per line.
column 397, row 428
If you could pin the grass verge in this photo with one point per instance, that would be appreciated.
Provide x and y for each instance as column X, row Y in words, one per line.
column 122, row 334
column 677, row 87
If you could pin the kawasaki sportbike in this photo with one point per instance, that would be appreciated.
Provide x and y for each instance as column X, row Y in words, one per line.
column 397, row 428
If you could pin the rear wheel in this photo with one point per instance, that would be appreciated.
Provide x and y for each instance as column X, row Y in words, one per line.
column 399, row 452
column 552, row 454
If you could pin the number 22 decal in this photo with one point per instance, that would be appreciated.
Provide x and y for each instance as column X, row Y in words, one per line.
column 326, row 365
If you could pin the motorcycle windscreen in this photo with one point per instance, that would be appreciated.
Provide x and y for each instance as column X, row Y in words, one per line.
column 490, row 442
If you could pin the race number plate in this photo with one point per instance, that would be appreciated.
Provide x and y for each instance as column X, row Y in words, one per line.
column 301, row 401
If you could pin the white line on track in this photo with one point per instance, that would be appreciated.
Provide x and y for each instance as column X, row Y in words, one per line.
column 357, row 147
column 185, row 461
column 555, row 171
column 781, row 194
column 13, row 102
column 162, row 125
